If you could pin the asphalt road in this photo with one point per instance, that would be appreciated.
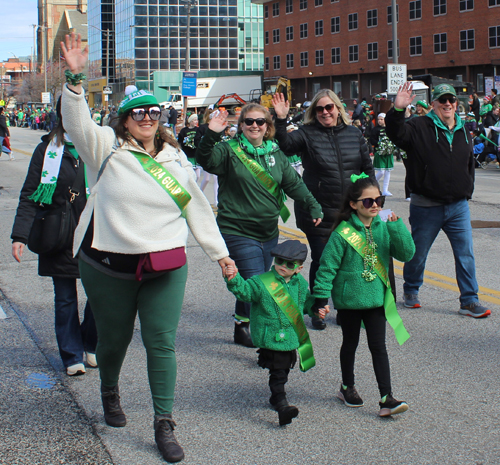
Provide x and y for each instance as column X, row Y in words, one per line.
column 447, row 372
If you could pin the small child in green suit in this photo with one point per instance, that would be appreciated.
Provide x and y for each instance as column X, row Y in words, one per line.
column 279, row 299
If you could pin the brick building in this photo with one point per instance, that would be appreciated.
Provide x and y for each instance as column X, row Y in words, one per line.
column 345, row 45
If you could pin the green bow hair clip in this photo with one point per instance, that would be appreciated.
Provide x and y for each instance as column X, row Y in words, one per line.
column 356, row 177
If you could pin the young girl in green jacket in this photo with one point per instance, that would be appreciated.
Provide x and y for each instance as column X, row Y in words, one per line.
column 353, row 269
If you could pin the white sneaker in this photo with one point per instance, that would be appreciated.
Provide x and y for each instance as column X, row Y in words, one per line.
column 408, row 199
column 387, row 194
column 11, row 157
column 91, row 360
column 76, row 370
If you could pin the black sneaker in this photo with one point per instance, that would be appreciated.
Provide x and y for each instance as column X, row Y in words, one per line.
column 318, row 323
column 392, row 406
column 350, row 397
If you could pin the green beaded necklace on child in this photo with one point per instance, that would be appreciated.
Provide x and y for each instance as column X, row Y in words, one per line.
column 370, row 258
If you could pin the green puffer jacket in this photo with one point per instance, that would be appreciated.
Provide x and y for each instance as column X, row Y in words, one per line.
column 246, row 207
column 266, row 318
column 340, row 269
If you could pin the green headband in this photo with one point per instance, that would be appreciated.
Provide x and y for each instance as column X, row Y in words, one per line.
column 135, row 98
column 356, row 177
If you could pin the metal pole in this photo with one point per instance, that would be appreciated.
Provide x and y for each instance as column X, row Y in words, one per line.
column 107, row 64
column 34, row 47
column 188, row 56
column 44, row 37
column 394, row 10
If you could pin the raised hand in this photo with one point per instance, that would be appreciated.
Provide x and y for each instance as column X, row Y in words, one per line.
column 76, row 58
column 405, row 96
column 281, row 106
column 218, row 122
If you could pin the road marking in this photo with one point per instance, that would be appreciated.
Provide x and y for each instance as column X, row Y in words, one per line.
column 21, row 151
column 3, row 316
column 489, row 295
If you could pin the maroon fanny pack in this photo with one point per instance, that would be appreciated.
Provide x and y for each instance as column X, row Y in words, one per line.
column 166, row 260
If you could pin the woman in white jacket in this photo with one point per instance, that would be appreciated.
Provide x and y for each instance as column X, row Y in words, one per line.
column 131, row 239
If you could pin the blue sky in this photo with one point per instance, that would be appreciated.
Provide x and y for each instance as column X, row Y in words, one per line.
column 16, row 32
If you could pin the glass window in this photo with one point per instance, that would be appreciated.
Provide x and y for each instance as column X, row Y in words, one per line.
column 354, row 89
column 352, row 21
column 353, row 53
column 289, row 60
column 416, row 10
column 318, row 2
column 373, row 51
column 304, row 59
column 415, row 46
column 276, row 9
column 318, row 28
column 372, row 18
column 466, row 5
column 303, row 31
column 440, row 43
column 493, row 3
column 467, row 40
column 266, row 11
column 335, row 56
column 266, row 61
column 303, row 4
column 439, row 7
column 276, row 36
column 289, row 33
column 335, row 25
column 337, row 88
column 389, row 14
column 480, row 82
column 494, row 36
column 266, row 37
column 276, row 62
column 320, row 58
column 289, row 6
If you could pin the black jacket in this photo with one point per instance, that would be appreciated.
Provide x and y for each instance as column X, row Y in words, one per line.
column 61, row 264
column 329, row 157
column 4, row 130
column 490, row 119
column 434, row 168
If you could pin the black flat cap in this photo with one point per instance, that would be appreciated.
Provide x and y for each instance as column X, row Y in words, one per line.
column 290, row 250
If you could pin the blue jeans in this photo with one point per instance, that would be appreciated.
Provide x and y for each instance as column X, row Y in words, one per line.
column 252, row 258
column 73, row 338
column 454, row 220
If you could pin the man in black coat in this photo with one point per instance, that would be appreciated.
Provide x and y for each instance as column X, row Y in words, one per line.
column 440, row 164
column 172, row 119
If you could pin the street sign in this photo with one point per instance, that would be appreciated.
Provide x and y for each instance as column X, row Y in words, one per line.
column 107, row 90
column 396, row 77
column 189, row 85
column 45, row 97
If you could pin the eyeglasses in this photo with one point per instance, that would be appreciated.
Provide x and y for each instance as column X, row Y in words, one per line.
column 443, row 100
column 368, row 202
column 320, row 109
column 290, row 264
column 259, row 121
column 138, row 114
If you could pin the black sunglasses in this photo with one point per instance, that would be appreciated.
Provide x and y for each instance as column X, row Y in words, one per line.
column 368, row 202
column 290, row 264
column 259, row 121
column 138, row 114
column 443, row 100
column 329, row 107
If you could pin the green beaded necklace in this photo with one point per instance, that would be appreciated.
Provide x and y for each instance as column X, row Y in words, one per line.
column 370, row 258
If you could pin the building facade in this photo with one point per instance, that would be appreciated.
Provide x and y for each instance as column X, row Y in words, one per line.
column 345, row 45
column 148, row 37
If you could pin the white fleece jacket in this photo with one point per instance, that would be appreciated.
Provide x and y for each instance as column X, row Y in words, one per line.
column 132, row 213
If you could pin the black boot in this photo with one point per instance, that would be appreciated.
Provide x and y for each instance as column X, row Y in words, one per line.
column 165, row 439
column 113, row 413
column 318, row 323
column 242, row 334
column 286, row 412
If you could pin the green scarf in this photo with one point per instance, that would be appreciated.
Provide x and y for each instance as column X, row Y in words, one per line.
column 264, row 150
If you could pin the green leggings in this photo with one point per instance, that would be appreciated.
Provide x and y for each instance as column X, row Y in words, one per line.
column 115, row 303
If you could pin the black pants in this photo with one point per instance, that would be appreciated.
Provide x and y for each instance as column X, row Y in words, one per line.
column 375, row 324
column 279, row 364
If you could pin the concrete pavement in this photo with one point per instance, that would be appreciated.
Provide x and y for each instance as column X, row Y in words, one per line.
column 447, row 372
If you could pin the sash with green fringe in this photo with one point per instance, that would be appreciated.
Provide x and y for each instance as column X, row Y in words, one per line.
column 358, row 243
column 284, row 301
column 264, row 178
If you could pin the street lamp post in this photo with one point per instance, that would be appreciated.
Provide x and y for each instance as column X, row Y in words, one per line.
column 187, row 65
column 394, row 9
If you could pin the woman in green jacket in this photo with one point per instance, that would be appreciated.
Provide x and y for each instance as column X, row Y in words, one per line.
column 254, row 174
column 353, row 270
